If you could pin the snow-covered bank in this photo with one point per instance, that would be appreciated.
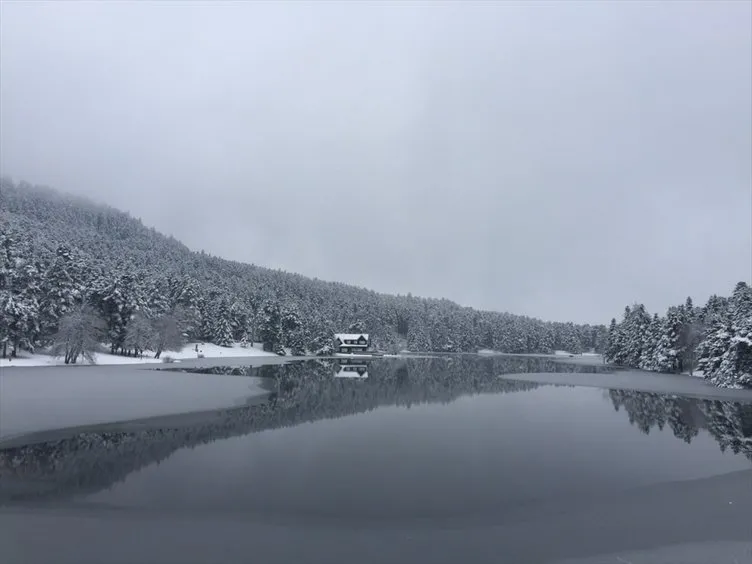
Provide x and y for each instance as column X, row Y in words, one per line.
column 208, row 350
column 42, row 399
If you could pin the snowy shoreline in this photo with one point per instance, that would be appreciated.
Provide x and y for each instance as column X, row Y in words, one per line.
column 188, row 352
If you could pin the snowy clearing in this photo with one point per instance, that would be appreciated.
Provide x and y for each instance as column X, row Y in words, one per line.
column 209, row 350
column 43, row 399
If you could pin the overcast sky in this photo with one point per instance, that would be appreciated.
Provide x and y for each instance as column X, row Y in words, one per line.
column 558, row 160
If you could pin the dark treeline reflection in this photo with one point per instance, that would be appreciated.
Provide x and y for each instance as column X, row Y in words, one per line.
column 310, row 391
column 300, row 392
column 729, row 423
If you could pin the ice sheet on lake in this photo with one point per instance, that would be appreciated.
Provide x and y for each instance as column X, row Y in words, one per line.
column 43, row 399
column 640, row 381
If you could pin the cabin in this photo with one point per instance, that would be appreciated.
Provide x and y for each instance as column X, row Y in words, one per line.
column 349, row 343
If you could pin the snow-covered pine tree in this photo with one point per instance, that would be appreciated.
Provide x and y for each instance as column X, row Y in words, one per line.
column 735, row 368
column 711, row 350
column 667, row 356
column 652, row 337
column 270, row 326
column 635, row 329
column 157, row 294
column 357, row 326
column 293, row 334
column 612, row 342
column 18, row 322
column 240, row 321
column 417, row 340
column 690, row 336
column 60, row 293
column 117, row 296
column 220, row 324
column 321, row 335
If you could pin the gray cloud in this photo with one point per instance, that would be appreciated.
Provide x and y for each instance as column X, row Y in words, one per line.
column 558, row 160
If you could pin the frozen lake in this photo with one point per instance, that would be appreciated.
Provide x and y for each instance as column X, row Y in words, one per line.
column 34, row 399
column 449, row 458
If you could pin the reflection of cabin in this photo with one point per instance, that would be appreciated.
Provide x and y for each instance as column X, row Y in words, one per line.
column 351, row 370
column 351, row 343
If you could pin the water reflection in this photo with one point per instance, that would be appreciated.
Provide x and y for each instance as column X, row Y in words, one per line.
column 313, row 391
column 350, row 369
column 729, row 423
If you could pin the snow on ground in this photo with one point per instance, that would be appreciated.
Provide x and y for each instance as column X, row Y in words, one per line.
column 43, row 399
column 209, row 350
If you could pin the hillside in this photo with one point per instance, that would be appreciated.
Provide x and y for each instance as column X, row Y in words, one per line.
column 58, row 251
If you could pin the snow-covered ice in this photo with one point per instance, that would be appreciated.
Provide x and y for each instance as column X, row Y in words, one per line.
column 209, row 350
column 43, row 399
column 639, row 381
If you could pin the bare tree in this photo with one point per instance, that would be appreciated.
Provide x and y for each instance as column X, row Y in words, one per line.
column 80, row 333
column 168, row 335
column 139, row 335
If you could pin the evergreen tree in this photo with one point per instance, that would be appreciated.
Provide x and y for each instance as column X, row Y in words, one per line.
column 735, row 368
column 220, row 324
column 690, row 336
column 654, row 332
column 357, row 327
column 60, row 292
column 711, row 350
column 635, row 328
column 667, row 355
column 270, row 326
column 612, row 342
column 240, row 322
column 417, row 340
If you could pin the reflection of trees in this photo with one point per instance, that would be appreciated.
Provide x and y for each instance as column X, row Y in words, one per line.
column 729, row 423
column 302, row 392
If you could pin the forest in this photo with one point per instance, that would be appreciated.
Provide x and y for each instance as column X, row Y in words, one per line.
column 75, row 274
column 714, row 341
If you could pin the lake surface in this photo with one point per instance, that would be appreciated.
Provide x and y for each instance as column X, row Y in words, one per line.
column 422, row 444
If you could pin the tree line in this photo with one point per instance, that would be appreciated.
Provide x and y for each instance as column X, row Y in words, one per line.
column 715, row 339
column 74, row 273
